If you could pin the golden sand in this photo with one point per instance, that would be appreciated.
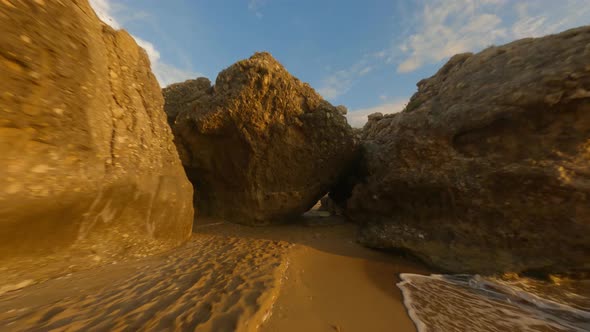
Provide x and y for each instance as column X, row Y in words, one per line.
column 305, row 277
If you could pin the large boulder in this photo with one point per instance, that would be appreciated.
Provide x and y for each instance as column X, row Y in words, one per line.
column 488, row 167
column 184, row 96
column 87, row 157
column 260, row 146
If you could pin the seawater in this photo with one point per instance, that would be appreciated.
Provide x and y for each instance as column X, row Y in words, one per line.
column 450, row 303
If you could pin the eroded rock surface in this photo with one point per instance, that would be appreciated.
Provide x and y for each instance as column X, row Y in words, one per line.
column 488, row 167
column 260, row 145
column 187, row 95
column 86, row 155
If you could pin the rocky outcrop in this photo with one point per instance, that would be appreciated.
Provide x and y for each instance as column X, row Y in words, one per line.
column 488, row 167
column 188, row 95
column 343, row 110
column 328, row 205
column 259, row 146
column 87, row 157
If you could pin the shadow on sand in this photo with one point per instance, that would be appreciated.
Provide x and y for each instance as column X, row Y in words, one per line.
column 332, row 235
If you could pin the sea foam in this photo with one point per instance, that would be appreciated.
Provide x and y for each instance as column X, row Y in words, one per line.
column 474, row 303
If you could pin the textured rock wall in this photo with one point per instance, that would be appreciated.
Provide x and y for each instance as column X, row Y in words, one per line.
column 86, row 155
column 259, row 146
column 488, row 167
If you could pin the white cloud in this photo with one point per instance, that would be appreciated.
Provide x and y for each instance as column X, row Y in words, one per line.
column 540, row 18
column 165, row 72
column 104, row 10
column 358, row 118
column 443, row 28
column 365, row 71
column 450, row 27
column 341, row 81
column 255, row 6
column 380, row 55
column 337, row 84
column 447, row 27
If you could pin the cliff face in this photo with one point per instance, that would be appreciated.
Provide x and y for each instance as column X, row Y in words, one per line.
column 259, row 146
column 488, row 167
column 86, row 155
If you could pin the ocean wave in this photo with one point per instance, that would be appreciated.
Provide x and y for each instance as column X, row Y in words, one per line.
column 476, row 303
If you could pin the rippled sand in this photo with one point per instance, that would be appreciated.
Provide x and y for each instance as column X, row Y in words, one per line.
column 213, row 283
column 309, row 277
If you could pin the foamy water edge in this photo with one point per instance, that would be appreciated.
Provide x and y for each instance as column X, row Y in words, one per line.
column 420, row 326
column 455, row 302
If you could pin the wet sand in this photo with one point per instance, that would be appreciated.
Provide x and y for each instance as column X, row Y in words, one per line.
column 328, row 292
column 311, row 277
column 332, row 283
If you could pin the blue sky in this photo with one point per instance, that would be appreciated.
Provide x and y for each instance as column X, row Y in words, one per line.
column 367, row 55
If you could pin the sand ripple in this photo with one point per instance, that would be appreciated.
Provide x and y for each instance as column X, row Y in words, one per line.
column 211, row 284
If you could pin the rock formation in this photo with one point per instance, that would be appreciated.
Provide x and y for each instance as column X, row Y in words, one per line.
column 86, row 155
column 260, row 145
column 187, row 95
column 328, row 205
column 488, row 167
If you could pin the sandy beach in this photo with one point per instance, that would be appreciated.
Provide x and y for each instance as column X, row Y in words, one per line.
column 267, row 166
column 308, row 276
column 332, row 283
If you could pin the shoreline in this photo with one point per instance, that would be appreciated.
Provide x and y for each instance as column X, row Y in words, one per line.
column 309, row 276
column 332, row 283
